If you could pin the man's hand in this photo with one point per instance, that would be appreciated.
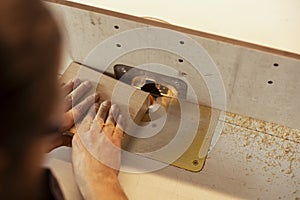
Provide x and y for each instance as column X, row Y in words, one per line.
column 74, row 108
column 96, row 153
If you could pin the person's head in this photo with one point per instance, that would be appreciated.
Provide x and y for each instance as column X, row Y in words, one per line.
column 29, row 55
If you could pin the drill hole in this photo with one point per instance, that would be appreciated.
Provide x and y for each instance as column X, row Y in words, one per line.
column 180, row 60
column 116, row 27
column 276, row 65
column 195, row 162
column 153, row 125
column 118, row 45
column 270, row 82
column 181, row 42
column 183, row 74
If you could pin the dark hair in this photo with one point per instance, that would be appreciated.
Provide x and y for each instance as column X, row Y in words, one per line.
column 29, row 54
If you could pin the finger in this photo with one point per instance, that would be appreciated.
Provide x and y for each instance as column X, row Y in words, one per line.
column 112, row 115
column 83, row 106
column 118, row 133
column 75, row 113
column 88, row 119
column 70, row 86
column 72, row 130
column 100, row 118
column 102, row 114
column 121, row 123
column 57, row 140
column 109, row 125
column 75, row 95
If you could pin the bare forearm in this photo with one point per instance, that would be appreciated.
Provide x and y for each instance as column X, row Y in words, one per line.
column 111, row 191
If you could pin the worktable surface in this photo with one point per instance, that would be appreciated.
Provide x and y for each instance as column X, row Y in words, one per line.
column 249, row 161
column 252, row 159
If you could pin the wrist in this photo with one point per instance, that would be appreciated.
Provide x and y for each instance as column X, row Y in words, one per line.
column 99, row 185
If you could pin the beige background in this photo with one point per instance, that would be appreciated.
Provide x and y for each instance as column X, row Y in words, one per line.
column 273, row 23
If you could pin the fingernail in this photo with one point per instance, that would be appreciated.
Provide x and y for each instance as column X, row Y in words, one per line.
column 87, row 83
column 106, row 103
column 76, row 82
column 68, row 98
column 114, row 108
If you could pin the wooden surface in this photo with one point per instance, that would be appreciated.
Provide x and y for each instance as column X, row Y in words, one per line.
column 105, row 85
column 246, row 68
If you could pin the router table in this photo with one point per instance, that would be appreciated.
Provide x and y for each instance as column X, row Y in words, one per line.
column 257, row 153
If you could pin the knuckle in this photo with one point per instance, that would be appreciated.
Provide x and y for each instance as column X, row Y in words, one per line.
column 104, row 105
column 79, row 108
column 68, row 98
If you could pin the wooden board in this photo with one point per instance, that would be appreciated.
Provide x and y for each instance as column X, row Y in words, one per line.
column 138, row 103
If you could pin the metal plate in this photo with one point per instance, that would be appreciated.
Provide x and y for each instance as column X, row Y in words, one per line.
column 192, row 158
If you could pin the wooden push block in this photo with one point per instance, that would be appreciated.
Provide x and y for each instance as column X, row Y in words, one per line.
column 135, row 105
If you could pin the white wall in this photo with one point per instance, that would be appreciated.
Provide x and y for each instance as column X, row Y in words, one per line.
column 274, row 23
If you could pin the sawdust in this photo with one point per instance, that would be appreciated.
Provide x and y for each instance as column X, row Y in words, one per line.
column 248, row 157
column 264, row 127
column 277, row 151
column 270, row 150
